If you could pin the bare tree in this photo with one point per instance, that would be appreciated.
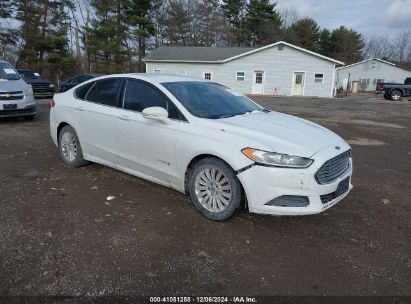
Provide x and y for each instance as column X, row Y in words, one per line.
column 378, row 47
column 402, row 45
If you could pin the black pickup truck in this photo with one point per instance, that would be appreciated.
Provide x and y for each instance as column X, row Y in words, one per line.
column 395, row 91
column 42, row 88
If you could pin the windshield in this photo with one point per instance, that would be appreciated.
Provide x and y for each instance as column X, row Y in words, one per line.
column 211, row 100
column 7, row 72
column 29, row 74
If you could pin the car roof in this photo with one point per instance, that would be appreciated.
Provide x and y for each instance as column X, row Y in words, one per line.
column 158, row 78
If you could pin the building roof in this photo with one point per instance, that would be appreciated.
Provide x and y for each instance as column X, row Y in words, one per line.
column 215, row 54
column 195, row 53
column 371, row 59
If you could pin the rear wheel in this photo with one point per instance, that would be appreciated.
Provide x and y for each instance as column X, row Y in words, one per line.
column 214, row 189
column 396, row 95
column 70, row 149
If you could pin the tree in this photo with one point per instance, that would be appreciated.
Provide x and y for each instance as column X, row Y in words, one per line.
column 378, row 47
column 402, row 46
column 347, row 45
column 235, row 12
column 138, row 14
column 176, row 22
column 324, row 41
column 263, row 22
column 44, row 25
column 306, row 33
column 108, row 35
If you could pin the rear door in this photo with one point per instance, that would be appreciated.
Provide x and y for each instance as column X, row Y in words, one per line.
column 97, row 118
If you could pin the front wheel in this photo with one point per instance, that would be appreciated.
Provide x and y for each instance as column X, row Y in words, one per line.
column 214, row 189
column 396, row 95
column 70, row 149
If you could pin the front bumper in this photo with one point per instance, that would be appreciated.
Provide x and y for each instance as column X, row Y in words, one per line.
column 263, row 184
column 23, row 107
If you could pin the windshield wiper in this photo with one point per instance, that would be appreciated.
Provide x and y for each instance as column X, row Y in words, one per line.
column 231, row 115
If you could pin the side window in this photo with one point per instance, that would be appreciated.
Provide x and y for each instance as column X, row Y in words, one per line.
column 105, row 92
column 139, row 95
column 81, row 92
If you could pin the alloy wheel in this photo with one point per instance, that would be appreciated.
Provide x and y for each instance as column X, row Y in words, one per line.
column 213, row 190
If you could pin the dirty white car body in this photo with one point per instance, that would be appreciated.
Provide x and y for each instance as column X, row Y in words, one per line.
column 163, row 150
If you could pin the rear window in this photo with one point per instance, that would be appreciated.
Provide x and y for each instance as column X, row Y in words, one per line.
column 407, row 80
column 105, row 92
column 81, row 92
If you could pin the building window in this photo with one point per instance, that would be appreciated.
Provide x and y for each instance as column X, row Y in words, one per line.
column 374, row 82
column 318, row 77
column 182, row 72
column 240, row 76
column 368, row 81
column 157, row 71
column 259, row 77
column 380, row 80
column 281, row 47
column 207, row 76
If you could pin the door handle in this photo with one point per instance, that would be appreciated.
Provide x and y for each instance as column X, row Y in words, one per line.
column 125, row 118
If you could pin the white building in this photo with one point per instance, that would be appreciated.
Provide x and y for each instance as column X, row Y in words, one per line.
column 370, row 72
column 276, row 69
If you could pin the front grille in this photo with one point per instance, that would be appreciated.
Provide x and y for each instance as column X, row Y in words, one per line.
column 333, row 168
column 14, row 95
column 40, row 86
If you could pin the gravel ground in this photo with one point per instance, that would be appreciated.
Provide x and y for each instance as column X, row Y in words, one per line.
column 60, row 236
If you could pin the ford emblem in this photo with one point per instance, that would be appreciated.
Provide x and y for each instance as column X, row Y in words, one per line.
column 337, row 148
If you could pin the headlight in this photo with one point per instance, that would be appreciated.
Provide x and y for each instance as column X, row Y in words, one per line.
column 277, row 159
column 52, row 86
column 28, row 91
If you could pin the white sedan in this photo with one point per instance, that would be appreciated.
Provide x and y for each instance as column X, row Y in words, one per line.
column 203, row 139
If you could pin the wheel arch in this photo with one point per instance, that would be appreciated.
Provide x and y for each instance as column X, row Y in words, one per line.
column 59, row 128
column 199, row 157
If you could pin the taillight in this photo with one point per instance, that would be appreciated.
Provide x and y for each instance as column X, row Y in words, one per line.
column 52, row 103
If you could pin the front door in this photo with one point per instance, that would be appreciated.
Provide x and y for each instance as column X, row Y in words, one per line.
column 298, row 84
column 258, row 83
column 147, row 146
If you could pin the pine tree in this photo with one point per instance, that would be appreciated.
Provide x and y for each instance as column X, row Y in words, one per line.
column 108, row 36
column 347, row 45
column 235, row 12
column 138, row 16
column 306, row 34
column 325, row 45
column 43, row 31
column 263, row 22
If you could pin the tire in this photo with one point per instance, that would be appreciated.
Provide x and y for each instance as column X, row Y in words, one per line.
column 386, row 96
column 396, row 95
column 29, row 117
column 214, row 189
column 69, row 148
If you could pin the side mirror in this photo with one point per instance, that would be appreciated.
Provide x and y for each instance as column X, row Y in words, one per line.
column 157, row 113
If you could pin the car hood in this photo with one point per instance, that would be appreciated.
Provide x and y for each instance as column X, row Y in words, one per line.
column 36, row 80
column 12, row 85
column 282, row 133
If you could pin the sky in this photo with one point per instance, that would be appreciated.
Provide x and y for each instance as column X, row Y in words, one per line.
column 369, row 17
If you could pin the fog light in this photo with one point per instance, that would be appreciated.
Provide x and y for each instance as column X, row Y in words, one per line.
column 289, row 201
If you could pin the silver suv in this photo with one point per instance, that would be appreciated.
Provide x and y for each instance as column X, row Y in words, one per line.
column 16, row 96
